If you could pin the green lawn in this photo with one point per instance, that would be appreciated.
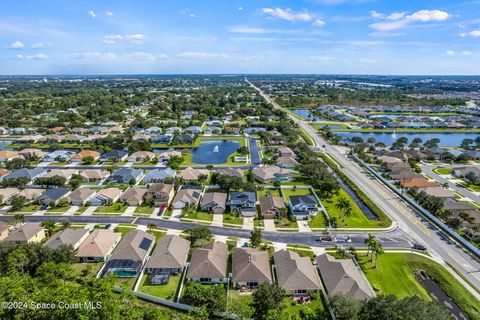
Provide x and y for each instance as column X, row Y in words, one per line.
column 167, row 213
column 356, row 219
column 268, row 191
column 286, row 223
column 81, row 209
column 318, row 221
column 87, row 269
column 144, row 210
column 167, row 291
column 198, row 215
column 58, row 209
column 125, row 282
column 293, row 308
column 291, row 192
column 228, row 218
column 442, row 170
column 113, row 208
column 157, row 234
column 123, row 230
column 29, row 209
column 395, row 275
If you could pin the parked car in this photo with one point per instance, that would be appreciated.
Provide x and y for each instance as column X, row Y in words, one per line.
column 108, row 226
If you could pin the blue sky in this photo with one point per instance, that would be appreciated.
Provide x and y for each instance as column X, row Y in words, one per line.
column 230, row 36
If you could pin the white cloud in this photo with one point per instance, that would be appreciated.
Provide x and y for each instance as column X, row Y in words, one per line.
column 450, row 53
column 136, row 39
column 39, row 56
column 467, row 53
column 38, row 45
column 318, row 23
column 136, row 36
column 244, row 29
column 17, row 45
column 396, row 16
column 389, row 26
column 92, row 13
column 429, row 15
column 288, row 14
column 202, row 55
column 375, row 14
column 475, row 33
column 240, row 8
column 113, row 37
column 135, row 56
column 109, row 13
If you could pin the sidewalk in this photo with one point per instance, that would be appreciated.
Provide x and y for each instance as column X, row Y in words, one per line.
column 71, row 211
column 90, row 210
column 129, row 211
column 248, row 223
column 303, row 226
column 217, row 219
column 176, row 213
column 269, row 225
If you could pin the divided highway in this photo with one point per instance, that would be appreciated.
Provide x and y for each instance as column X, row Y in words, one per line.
column 439, row 246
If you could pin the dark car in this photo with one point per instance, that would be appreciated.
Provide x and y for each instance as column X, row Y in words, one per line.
column 417, row 246
column 108, row 225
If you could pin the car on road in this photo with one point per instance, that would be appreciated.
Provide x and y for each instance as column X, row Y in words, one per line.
column 326, row 239
column 108, row 226
column 342, row 239
column 420, row 247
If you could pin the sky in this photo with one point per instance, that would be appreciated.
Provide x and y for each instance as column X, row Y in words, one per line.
column 56, row 37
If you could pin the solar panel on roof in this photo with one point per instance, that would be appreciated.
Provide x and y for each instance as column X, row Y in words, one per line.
column 145, row 244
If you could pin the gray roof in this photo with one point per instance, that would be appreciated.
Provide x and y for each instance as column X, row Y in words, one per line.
column 65, row 237
column 219, row 198
column 25, row 232
column 245, row 196
column 295, row 272
column 306, row 199
column 126, row 174
column 251, row 265
column 81, row 194
column 170, row 252
column 455, row 205
column 54, row 194
column 159, row 174
column 343, row 277
column 134, row 246
column 234, row 172
column 29, row 173
column 209, row 262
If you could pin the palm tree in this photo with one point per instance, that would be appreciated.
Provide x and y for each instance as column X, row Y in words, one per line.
column 378, row 249
column 341, row 252
column 19, row 219
column 343, row 204
column 369, row 241
column 48, row 225
column 65, row 224
column 151, row 226
column 353, row 252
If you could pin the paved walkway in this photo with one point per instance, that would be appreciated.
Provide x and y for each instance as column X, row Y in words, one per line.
column 318, row 250
column 248, row 223
column 129, row 211
column 39, row 213
column 155, row 212
column 277, row 246
column 176, row 213
column 303, row 226
column 269, row 225
column 217, row 219
column 90, row 210
column 71, row 211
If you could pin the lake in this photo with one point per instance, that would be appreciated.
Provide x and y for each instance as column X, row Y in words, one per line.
column 4, row 143
column 446, row 139
column 214, row 151
column 307, row 115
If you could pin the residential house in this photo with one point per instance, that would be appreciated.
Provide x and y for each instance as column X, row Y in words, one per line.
column 7, row 155
column 183, row 139
column 30, row 232
column 52, row 196
column 295, row 274
column 193, row 130
column 133, row 196
column 30, row 153
column 30, row 193
column 253, row 130
column 105, row 197
column 461, row 172
column 126, row 175
column 286, row 152
column 287, row 162
column 141, row 156
column 270, row 206
column 3, row 230
column 130, row 254
column 458, row 207
column 162, row 138
column 168, row 258
column 141, row 136
column 67, row 237
column 303, row 206
column 80, row 156
column 243, row 202
column 270, row 173
column 231, row 130
column 98, row 245
column 64, row 173
column 161, row 194
column 343, row 276
column 159, row 175
column 166, row 155
column 417, row 183
column 6, row 194
column 187, row 196
column 192, row 174
column 250, row 268
column 59, row 156
column 4, row 172
column 439, row 192
column 94, row 175
column 30, row 174
column 172, row 130
column 114, row 156
column 80, row 196
column 209, row 264
column 214, row 202
column 233, row 172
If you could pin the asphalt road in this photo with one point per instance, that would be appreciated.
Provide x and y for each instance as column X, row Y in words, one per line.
column 254, row 152
column 407, row 219
column 391, row 239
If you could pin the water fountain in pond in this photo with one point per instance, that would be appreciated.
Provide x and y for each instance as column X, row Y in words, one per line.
column 215, row 149
column 394, row 135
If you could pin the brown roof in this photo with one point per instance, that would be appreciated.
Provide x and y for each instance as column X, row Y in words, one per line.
column 160, row 187
column 438, row 192
column 134, row 193
column 7, row 154
column 251, row 265
column 170, row 252
column 4, row 172
column 342, row 276
column 25, row 232
column 295, row 272
column 86, row 153
column 209, row 262
column 418, row 183
column 65, row 237
column 98, row 243
column 192, row 173
column 94, row 174
column 269, row 202
column 132, row 247
column 81, row 194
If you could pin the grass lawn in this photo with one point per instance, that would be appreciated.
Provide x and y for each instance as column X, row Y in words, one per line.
column 167, row 291
column 228, row 218
column 267, row 191
column 318, row 221
column 286, row 223
column 145, row 164
column 293, row 308
column 167, row 213
column 125, row 282
column 302, row 251
column 58, row 209
column 87, row 269
column 157, row 234
column 81, row 209
column 30, row 208
column 143, row 210
column 299, row 180
column 123, row 230
column 356, row 220
column 395, row 275
column 198, row 215
column 113, row 208
column 442, row 170
column 291, row 192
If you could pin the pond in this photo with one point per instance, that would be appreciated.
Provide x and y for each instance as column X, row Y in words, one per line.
column 446, row 139
column 307, row 115
column 4, row 143
column 214, row 151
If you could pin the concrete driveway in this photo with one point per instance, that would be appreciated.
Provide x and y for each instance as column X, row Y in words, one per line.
column 248, row 223
column 217, row 219
column 269, row 225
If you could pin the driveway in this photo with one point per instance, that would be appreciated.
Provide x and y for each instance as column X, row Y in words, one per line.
column 303, row 226
column 71, row 211
column 176, row 213
column 129, row 211
column 90, row 210
column 248, row 223
column 269, row 225
column 217, row 219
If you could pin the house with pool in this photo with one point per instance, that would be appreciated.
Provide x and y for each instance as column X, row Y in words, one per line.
column 130, row 254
